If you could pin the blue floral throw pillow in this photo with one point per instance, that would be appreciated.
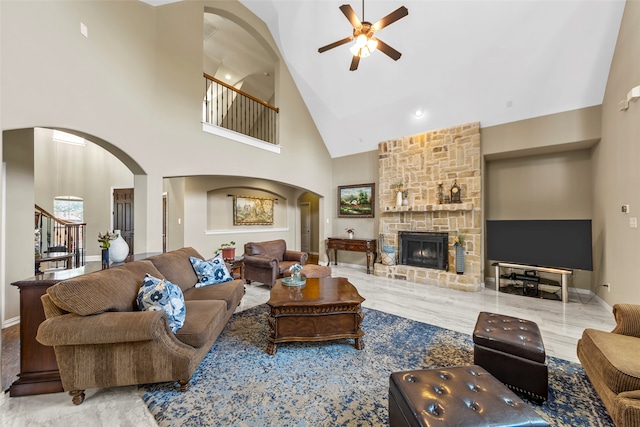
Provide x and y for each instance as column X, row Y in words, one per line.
column 156, row 294
column 210, row 272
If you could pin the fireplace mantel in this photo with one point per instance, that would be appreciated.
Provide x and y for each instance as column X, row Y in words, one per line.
column 449, row 207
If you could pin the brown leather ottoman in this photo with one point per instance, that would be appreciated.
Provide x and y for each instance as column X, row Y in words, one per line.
column 318, row 271
column 511, row 349
column 462, row 396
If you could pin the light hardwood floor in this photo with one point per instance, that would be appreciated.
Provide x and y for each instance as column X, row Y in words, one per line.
column 561, row 326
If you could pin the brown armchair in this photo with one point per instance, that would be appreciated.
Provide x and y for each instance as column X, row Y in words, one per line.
column 266, row 262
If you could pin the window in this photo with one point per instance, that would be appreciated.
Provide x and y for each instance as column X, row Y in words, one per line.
column 69, row 207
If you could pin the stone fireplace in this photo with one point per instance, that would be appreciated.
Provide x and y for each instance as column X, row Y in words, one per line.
column 421, row 162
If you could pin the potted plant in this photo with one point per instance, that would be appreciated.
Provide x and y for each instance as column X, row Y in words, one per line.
column 228, row 250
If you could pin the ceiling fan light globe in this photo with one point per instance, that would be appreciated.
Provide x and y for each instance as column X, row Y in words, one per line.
column 372, row 45
column 361, row 41
column 355, row 50
column 364, row 52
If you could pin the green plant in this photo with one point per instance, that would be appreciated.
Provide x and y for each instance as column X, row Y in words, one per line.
column 398, row 186
column 458, row 240
column 229, row 245
column 405, row 193
column 106, row 238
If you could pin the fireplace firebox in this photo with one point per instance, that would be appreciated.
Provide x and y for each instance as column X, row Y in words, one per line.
column 424, row 249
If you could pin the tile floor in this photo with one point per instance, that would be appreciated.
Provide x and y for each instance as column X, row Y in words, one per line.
column 561, row 326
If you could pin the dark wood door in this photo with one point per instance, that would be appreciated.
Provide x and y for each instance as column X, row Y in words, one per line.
column 123, row 214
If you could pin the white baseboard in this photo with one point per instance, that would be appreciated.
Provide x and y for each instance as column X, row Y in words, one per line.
column 11, row 322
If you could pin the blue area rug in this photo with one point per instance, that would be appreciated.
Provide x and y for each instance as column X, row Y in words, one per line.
column 333, row 384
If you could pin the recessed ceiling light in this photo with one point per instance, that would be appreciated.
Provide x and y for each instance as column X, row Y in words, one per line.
column 419, row 112
column 227, row 76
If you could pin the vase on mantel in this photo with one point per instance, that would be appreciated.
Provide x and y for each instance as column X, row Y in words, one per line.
column 399, row 198
column 405, row 202
column 350, row 234
column 119, row 249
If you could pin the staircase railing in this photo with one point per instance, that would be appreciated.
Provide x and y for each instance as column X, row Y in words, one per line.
column 60, row 235
column 230, row 108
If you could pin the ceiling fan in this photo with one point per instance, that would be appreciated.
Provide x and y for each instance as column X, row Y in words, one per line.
column 363, row 35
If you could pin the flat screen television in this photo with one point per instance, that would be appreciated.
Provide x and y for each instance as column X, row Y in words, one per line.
column 564, row 243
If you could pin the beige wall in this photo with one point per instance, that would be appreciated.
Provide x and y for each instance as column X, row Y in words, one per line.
column 616, row 169
column 566, row 131
column 208, row 219
column 19, row 219
column 545, row 186
column 354, row 169
column 135, row 86
column 89, row 172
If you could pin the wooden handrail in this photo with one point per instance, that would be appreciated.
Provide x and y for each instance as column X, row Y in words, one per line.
column 253, row 98
column 58, row 220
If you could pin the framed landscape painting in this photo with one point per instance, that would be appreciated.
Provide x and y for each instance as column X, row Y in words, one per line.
column 356, row 201
column 252, row 210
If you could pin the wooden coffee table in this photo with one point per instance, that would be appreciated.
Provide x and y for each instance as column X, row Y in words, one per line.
column 327, row 308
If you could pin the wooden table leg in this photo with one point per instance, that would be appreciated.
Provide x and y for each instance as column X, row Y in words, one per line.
column 272, row 347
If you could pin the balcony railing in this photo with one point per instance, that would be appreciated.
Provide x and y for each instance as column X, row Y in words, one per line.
column 230, row 108
column 60, row 235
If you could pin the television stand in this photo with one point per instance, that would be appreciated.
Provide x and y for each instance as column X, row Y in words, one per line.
column 563, row 273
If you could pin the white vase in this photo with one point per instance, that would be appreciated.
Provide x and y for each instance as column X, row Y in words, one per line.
column 399, row 198
column 119, row 249
column 350, row 235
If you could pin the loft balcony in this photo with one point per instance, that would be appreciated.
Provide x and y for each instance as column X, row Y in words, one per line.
column 235, row 114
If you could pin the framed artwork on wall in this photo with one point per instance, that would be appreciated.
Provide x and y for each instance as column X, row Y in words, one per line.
column 252, row 210
column 356, row 201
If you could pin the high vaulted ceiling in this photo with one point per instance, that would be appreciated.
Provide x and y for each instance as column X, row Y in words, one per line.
column 462, row 61
column 493, row 62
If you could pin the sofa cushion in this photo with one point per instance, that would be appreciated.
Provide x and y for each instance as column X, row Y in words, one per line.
column 114, row 289
column 160, row 294
column 616, row 357
column 210, row 272
column 230, row 292
column 200, row 325
column 176, row 267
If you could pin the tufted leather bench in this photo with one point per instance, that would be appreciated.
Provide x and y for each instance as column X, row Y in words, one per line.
column 312, row 270
column 511, row 349
column 462, row 396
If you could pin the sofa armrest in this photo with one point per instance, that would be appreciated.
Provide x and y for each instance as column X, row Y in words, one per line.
column 628, row 319
column 300, row 257
column 260, row 261
column 103, row 328
column 627, row 410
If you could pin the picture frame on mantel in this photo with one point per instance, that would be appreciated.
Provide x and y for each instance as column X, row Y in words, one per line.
column 357, row 201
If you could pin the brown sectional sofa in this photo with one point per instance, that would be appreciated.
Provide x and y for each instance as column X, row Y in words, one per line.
column 612, row 363
column 101, row 339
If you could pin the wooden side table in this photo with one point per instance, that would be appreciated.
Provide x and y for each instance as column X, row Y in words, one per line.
column 236, row 267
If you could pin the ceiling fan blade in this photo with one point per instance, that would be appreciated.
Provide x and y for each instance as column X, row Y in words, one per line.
column 335, row 44
column 351, row 16
column 387, row 50
column 354, row 63
column 400, row 12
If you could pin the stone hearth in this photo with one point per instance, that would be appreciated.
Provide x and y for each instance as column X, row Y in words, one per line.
column 420, row 162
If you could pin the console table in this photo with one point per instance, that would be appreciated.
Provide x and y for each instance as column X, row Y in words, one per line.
column 53, row 256
column 563, row 273
column 356, row 245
